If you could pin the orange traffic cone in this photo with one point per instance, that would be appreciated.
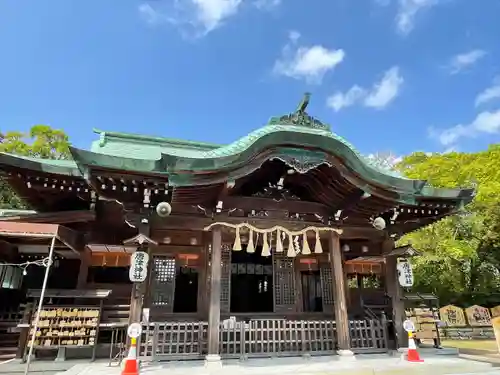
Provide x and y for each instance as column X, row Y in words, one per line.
column 131, row 364
column 412, row 355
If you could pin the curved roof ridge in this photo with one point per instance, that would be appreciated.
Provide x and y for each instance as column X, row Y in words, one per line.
column 248, row 140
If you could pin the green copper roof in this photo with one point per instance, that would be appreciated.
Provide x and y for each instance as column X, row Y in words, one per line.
column 146, row 147
column 64, row 167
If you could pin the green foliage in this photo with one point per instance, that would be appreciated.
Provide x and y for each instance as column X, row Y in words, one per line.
column 461, row 261
column 41, row 142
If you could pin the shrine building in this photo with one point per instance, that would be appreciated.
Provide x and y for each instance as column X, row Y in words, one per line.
column 280, row 243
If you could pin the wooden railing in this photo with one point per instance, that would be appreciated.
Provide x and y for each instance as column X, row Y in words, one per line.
column 174, row 341
column 258, row 338
column 369, row 336
column 277, row 337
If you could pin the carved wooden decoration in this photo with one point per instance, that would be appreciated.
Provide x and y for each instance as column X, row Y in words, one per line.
column 478, row 316
column 452, row 316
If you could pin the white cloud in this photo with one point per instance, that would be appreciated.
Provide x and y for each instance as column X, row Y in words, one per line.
column 489, row 94
column 203, row 15
column 309, row 63
column 408, row 11
column 151, row 15
column 267, row 4
column 341, row 100
column 485, row 123
column 210, row 13
column 465, row 60
column 379, row 96
column 385, row 91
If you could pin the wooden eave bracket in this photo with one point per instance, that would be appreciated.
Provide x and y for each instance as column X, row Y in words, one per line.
column 71, row 238
column 140, row 239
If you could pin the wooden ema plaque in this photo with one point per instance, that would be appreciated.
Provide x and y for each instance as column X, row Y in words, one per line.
column 425, row 323
column 478, row 316
column 495, row 311
column 452, row 316
column 496, row 329
column 66, row 326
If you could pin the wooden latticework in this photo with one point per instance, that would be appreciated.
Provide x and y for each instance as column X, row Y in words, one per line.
column 284, row 283
column 163, row 282
column 173, row 341
column 225, row 279
column 368, row 335
column 277, row 337
column 326, row 275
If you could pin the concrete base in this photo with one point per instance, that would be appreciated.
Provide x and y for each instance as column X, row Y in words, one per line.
column 346, row 355
column 213, row 361
column 379, row 364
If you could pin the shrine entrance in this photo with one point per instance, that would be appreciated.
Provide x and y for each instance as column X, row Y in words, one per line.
column 251, row 282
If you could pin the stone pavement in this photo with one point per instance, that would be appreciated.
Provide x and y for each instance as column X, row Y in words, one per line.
column 361, row 365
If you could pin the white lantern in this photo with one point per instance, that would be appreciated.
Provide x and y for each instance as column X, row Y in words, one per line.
column 379, row 223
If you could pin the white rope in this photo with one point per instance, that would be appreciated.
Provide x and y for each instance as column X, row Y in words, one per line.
column 44, row 262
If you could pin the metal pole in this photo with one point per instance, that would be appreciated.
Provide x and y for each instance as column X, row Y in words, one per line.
column 40, row 304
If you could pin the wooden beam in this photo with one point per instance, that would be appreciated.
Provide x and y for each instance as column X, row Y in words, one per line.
column 83, row 272
column 143, row 243
column 71, row 238
column 257, row 204
column 61, row 217
column 198, row 223
column 395, row 292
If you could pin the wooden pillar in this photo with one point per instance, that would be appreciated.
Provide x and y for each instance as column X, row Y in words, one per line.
column 339, row 292
column 395, row 292
column 214, row 301
column 203, row 272
column 83, row 272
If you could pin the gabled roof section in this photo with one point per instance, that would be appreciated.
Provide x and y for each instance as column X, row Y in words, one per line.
column 147, row 147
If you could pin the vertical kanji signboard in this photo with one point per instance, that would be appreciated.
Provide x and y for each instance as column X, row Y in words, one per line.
column 138, row 266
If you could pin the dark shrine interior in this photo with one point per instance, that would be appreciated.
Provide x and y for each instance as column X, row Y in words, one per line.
column 186, row 290
column 312, row 300
column 251, row 282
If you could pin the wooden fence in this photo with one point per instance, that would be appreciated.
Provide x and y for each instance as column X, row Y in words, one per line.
column 258, row 338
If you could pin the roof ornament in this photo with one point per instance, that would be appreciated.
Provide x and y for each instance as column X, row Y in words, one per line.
column 303, row 103
column 300, row 117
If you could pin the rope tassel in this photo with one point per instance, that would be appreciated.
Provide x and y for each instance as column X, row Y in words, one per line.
column 279, row 242
column 306, row 250
column 266, row 250
column 291, row 248
column 317, row 247
column 237, row 241
column 250, row 246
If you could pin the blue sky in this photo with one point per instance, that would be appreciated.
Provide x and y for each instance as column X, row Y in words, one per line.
column 388, row 75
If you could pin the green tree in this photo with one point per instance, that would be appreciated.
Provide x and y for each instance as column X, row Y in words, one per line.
column 41, row 141
column 461, row 254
